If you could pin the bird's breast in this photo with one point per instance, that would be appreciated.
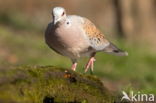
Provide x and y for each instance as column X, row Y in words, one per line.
column 70, row 41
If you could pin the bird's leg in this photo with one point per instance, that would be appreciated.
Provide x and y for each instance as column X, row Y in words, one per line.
column 90, row 64
column 74, row 65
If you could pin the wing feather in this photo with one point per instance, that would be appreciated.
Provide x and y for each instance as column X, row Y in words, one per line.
column 96, row 39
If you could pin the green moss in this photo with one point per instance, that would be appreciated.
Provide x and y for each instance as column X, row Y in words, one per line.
column 37, row 84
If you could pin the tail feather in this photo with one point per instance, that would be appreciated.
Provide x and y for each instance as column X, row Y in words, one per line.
column 112, row 49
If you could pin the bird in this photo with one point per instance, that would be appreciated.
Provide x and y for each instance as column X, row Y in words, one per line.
column 75, row 36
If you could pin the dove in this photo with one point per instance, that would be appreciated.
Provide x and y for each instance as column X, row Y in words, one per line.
column 75, row 37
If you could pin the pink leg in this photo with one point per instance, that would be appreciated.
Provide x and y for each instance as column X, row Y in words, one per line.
column 74, row 65
column 90, row 64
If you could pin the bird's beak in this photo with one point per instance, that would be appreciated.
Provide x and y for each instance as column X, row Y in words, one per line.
column 55, row 22
column 56, row 19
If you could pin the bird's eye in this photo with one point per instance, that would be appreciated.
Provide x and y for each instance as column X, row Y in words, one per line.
column 63, row 13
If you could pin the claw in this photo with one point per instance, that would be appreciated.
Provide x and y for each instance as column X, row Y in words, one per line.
column 90, row 64
column 74, row 66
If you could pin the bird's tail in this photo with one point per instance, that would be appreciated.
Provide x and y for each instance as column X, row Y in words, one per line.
column 112, row 49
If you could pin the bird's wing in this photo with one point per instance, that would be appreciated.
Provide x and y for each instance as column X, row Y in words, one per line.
column 96, row 39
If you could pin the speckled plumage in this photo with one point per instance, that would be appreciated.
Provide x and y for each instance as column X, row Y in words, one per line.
column 96, row 38
column 74, row 36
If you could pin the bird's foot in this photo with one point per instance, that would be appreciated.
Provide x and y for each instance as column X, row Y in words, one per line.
column 90, row 64
column 74, row 66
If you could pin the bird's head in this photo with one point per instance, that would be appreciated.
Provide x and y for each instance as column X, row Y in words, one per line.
column 58, row 14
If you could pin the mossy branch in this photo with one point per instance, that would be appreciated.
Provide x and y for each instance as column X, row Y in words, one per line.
column 47, row 84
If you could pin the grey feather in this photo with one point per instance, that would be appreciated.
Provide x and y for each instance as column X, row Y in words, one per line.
column 112, row 49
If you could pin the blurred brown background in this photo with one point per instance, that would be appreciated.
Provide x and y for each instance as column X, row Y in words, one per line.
column 130, row 24
column 132, row 19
